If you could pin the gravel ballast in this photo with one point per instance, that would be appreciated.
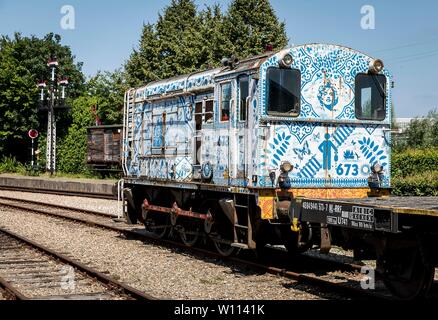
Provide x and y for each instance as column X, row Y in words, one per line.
column 158, row 271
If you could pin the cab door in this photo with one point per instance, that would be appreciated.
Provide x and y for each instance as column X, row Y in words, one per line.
column 198, row 134
column 242, row 129
column 224, row 133
column 202, row 133
column 232, row 137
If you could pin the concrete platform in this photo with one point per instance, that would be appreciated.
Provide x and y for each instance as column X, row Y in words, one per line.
column 80, row 187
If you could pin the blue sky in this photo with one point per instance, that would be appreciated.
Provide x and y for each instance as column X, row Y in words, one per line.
column 405, row 35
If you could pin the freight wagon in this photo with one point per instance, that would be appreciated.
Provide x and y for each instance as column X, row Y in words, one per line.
column 104, row 148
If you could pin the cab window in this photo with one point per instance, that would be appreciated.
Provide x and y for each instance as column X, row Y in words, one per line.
column 371, row 97
column 225, row 101
column 209, row 111
column 244, row 94
column 283, row 92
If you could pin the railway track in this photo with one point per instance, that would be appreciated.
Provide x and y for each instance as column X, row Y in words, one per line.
column 303, row 272
column 30, row 271
column 61, row 192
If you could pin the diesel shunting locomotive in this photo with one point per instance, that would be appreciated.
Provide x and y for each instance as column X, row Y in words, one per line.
column 283, row 148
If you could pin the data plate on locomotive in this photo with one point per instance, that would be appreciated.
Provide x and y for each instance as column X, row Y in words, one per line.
column 336, row 214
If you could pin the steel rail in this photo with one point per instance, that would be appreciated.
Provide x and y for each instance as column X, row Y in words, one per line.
column 61, row 193
column 299, row 277
column 102, row 278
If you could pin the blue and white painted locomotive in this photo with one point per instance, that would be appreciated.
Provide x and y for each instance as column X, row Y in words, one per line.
column 284, row 148
column 316, row 107
column 222, row 153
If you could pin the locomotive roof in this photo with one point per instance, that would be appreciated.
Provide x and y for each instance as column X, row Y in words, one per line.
column 241, row 65
column 204, row 80
column 201, row 80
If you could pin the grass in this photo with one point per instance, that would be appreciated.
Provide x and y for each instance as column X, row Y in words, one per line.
column 12, row 166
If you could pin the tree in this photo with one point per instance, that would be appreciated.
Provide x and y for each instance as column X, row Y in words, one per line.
column 184, row 41
column 423, row 132
column 23, row 62
column 143, row 64
column 393, row 118
column 251, row 26
column 215, row 44
column 431, row 136
column 171, row 47
column 105, row 91
column 108, row 89
column 179, row 39
column 17, row 101
column 33, row 53
column 72, row 148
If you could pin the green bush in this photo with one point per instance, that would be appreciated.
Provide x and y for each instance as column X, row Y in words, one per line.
column 424, row 184
column 72, row 148
column 72, row 151
column 11, row 165
column 414, row 162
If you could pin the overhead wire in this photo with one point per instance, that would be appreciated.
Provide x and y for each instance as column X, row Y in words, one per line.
column 413, row 56
column 408, row 45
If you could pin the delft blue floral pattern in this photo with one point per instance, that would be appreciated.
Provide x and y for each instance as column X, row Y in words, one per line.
column 372, row 153
column 277, row 150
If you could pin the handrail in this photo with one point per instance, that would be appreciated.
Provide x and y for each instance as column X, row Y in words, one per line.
column 120, row 199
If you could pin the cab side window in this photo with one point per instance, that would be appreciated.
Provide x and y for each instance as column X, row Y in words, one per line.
column 225, row 102
column 209, row 111
column 244, row 94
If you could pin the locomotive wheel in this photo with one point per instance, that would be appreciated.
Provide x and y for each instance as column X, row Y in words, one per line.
column 189, row 233
column 220, row 229
column 262, row 231
column 157, row 225
column 406, row 274
column 223, row 247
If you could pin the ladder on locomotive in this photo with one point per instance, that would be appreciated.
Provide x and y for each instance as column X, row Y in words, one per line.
column 131, row 137
column 130, row 121
column 242, row 222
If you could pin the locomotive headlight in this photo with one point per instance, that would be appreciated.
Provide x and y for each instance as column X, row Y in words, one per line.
column 377, row 168
column 284, row 181
column 287, row 61
column 377, row 66
column 286, row 167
